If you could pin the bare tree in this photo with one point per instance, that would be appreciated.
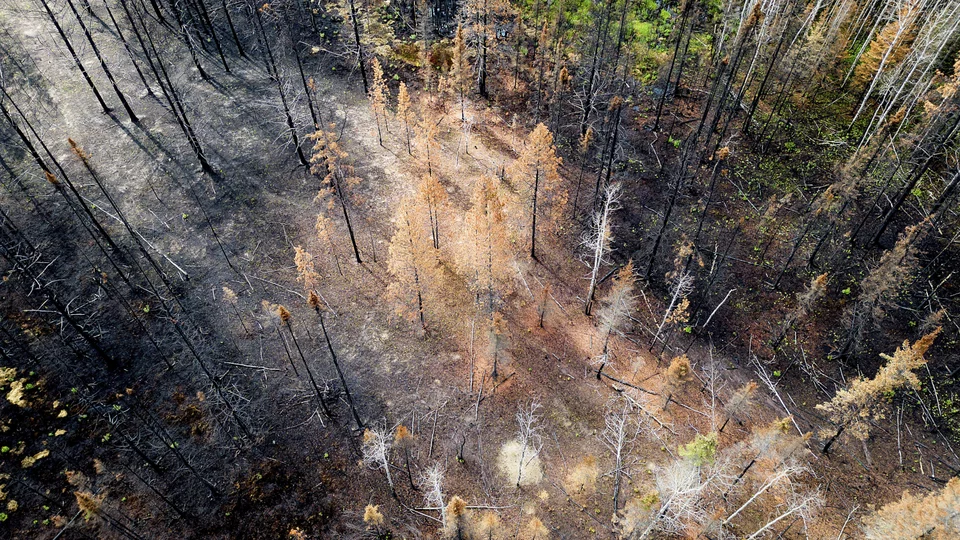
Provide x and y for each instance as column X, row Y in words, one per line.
column 781, row 474
column 614, row 315
column 528, row 434
column 597, row 239
column 431, row 483
column 376, row 452
column 618, row 434
column 804, row 504
column 682, row 286
column 683, row 486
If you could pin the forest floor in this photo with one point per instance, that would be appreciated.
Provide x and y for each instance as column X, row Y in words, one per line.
column 437, row 383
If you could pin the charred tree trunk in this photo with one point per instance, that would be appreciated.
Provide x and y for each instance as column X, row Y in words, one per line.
column 336, row 365
column 76, row 59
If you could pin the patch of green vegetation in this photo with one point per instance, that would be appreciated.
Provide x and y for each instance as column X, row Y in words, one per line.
column 947, row 410
column 700, row 450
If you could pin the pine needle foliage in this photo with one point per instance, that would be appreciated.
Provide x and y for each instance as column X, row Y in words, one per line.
column 413, row 262
column 867, row 399
column 536, row 177
column 935, row 516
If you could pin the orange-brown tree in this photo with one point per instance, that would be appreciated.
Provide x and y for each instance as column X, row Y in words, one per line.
column 330, row 160
column 403, row 114
column 460, row 71
column 935, row 516
column 378, row 97
column 428, row 145
column 432, row 197
column 413, row 262
column 853, row 407
column 485, row 257
column 536, row 177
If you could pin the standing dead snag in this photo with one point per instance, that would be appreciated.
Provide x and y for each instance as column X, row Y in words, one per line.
column 683, row 483
column 378, row 98
column 498, row 332
column 103, row 64
column 879, row 289
column 542, row 302
column 313, row 300
column 597, row 240
column 537, row 177
column 460, row 72
column 614, row 315
column 324, row 230
column 618, row 434
column 433, row 197
column 376, row 452
column 486, row 255
column 773, row 449
column 528, row 435
column 349, row 12
column 306, row 269
column 403, row 439
column 403, row 113
column 431, row 483
column 581, row 481
column 489, row 527
column 275, row 312
column 853, row 407
column 286, row 318
column 427, row 131
column 374, row 519
column 805, row 301
column 682, row 285
column 76, row 58
column 772, row 446
column 457, row 84
column 583, row 149
column 535, row 530
column 329, row 159
column 413, row 262
column 230, row 297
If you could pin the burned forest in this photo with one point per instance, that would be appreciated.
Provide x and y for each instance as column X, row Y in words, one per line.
column 480, row 269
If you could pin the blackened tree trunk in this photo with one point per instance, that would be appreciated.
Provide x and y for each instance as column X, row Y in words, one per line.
column 126, row 46
column 336, row 364
column 233, row 29
column 177, row 107
column 275, row 75
column 76, row 59
column 212, row 30
column 188, row 41
column 103, row 64
column 932, row 155
column 356, row 37
column 684, row 16
column 313, row 380
column 594, row 64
